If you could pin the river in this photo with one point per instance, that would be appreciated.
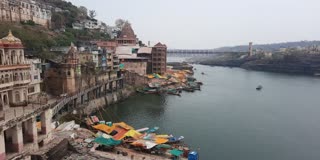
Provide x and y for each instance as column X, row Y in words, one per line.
column 229, row 120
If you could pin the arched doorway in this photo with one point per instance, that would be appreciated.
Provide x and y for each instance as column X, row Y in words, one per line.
column 25, row 95
column 5, row 99
column 17, row 96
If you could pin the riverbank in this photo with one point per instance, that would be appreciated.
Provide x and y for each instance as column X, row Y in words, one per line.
column 82, row 148
column 291, row 63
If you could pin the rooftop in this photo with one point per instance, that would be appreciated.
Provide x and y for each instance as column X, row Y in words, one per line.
column 147, row 50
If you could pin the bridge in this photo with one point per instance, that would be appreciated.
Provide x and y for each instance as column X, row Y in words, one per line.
column 18, row 129
column 196, row 52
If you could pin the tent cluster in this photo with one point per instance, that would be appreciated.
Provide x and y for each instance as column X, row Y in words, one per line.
column 111, row 134
column 173, row 82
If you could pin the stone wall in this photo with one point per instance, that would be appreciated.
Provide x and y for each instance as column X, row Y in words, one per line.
column 107, row 100
column 139, row 67
column 134, row 79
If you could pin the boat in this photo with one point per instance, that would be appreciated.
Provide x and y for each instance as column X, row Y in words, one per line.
column 140, row 91
column 152, row 91
column 174, row 92
column 142, row 129
column 202, row 73
column 175, row 140
column 259, row 88
column 152, row 130
column 199, row 83
column 188, row 89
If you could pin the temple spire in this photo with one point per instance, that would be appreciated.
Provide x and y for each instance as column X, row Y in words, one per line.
column 10, row 33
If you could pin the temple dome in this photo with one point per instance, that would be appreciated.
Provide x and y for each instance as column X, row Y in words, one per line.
column 10, row 38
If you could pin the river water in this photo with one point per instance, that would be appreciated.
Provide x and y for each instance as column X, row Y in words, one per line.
column 229, row 120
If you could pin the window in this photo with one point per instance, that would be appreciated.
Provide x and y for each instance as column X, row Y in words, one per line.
column 31, row 89
column 6, row 78
column 35, row 77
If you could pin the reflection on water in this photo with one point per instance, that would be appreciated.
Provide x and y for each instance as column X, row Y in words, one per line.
column 229, row 119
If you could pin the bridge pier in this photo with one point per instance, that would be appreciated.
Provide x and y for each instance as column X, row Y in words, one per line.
column 31, row 133
column 14, row 139
column 46, row 117
column 2, row 146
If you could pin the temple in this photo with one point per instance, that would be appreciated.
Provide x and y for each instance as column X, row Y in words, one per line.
column 127, row 36
column 14, row 72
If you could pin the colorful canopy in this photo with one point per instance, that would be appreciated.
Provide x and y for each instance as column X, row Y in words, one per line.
column 121, row 133
column 104, row 128
column 134, row 134
column 166, row 146
column 107, row 142
column 144, row 143
column 176, row 152
column 161, row 140
column 123, row 125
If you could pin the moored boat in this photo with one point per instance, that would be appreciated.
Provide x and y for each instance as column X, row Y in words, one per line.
column 259, row 88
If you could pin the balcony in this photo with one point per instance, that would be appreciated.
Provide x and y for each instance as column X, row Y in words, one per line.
column 21, row 82
column 5, row 85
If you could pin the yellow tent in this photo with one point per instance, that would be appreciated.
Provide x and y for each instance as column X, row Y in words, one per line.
column 150, row 76
column 104, row 128
column 162, row 136
column 123, row 125
column 161, row 140
column 134, row 134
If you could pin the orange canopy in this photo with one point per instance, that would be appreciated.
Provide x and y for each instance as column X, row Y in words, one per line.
column 161, row 140
column 104, row 128
column 123, row 125
column 121, row 133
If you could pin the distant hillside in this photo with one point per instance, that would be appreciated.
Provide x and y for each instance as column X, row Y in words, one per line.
column 269, row 47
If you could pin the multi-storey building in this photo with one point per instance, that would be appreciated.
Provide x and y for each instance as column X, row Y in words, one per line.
column 159, row 58
column 14, row 73
column 24, row 10
column 34, row 88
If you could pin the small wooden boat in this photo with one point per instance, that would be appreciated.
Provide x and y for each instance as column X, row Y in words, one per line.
column 259, row 88
column 188, row 89
column 142, row 129
column 175, row 140
column 152, row 130
column 199, row 83
column 174, row 93
column 140, row 91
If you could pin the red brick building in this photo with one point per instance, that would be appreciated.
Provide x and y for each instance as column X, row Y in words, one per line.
column 159, row 58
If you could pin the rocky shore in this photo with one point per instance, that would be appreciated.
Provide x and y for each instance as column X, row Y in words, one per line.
column 292, row 63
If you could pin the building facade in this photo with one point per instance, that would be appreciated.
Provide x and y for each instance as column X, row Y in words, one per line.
column 159, row 58
column 34, row 88
column 24, row 10
column 14, row 72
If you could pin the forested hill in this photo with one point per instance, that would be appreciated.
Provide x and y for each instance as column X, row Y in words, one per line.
column 269, row 47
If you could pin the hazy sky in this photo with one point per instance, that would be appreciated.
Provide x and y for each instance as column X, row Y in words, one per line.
column 213, row 23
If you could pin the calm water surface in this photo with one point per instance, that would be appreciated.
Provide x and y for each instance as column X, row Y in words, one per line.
column 229, row 120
